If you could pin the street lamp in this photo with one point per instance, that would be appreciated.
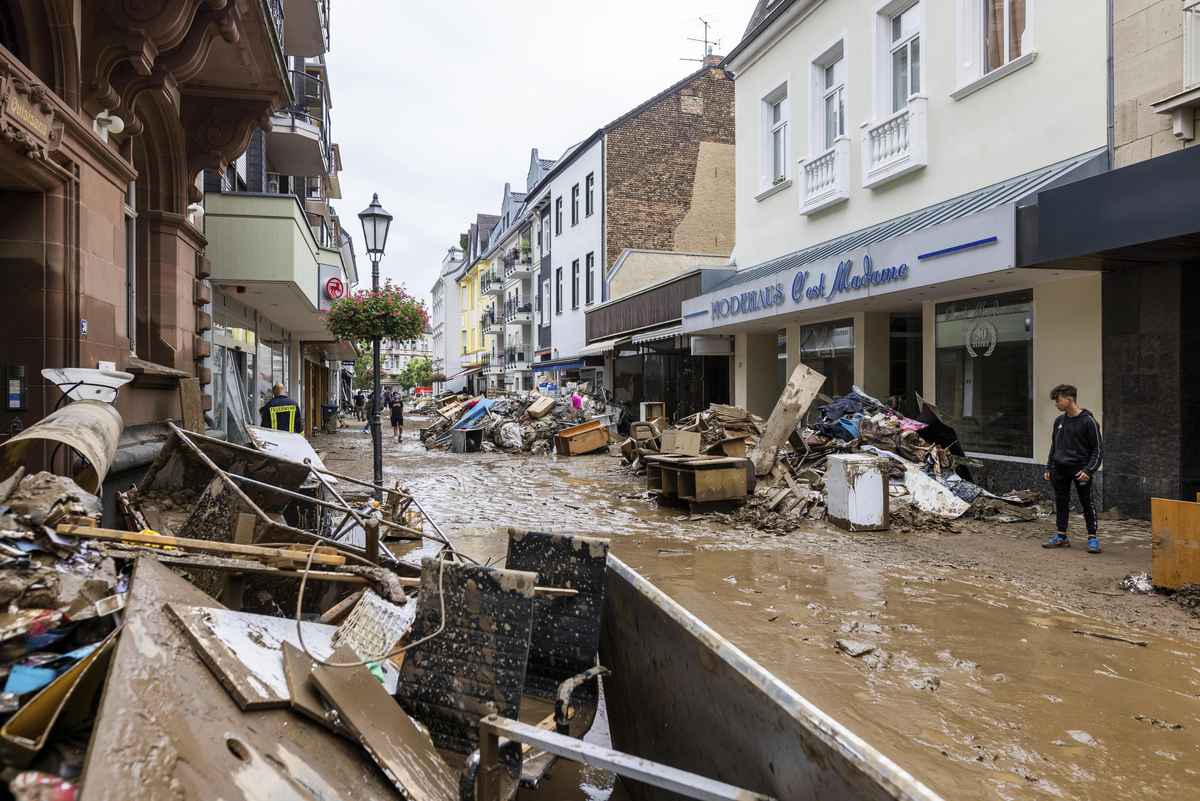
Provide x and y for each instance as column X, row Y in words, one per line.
column 375, row 224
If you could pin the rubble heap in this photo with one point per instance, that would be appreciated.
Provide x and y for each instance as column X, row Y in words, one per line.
column 929, row 475
column 515, row 423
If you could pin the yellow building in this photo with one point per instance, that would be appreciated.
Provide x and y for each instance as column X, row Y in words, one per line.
column 473, row 302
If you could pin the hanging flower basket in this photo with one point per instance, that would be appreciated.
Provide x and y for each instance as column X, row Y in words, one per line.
column 390, row 313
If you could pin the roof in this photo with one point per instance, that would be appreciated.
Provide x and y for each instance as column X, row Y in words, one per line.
column 989, row 197
column 765, row 12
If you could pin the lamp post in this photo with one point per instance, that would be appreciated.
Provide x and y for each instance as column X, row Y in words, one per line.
column 375, row 223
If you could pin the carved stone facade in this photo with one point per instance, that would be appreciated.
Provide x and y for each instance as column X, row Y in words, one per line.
column 109, row 112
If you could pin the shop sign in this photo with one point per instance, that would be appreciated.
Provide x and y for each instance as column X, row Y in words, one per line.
column 975, row 245
column 26, row 115
column 330, row 285
column 809, row 285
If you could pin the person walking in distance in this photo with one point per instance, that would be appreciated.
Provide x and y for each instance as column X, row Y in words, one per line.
column 397, row 415
column 1076, row 452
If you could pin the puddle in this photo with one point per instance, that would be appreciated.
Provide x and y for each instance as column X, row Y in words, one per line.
column 978, row 690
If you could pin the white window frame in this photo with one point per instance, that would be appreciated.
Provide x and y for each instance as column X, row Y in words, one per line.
column 544, row 304
column 971, row 73
column 835, row 52
column 904, row 43
column 1191, row 42
column 774, row 180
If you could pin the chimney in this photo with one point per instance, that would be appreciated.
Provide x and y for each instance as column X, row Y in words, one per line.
column 713, row 60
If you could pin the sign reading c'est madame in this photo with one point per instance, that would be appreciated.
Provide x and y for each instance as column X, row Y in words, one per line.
column 807, row 287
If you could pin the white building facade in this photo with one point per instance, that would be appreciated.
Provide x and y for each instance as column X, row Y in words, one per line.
column 885, row 152
column 445, row 345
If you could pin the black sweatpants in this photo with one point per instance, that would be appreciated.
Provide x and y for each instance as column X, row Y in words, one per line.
column 1062, row 476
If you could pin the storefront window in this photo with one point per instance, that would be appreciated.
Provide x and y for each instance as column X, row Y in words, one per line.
column 985, row 372
column 828, row 348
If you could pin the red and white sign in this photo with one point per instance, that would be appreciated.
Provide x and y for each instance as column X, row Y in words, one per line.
column 334, row 288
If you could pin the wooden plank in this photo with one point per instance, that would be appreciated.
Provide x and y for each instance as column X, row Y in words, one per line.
column 1175, row 543
column 321, row 557
column 793, row 402
column 402, row 749
column 191, row 405
column 208, row 562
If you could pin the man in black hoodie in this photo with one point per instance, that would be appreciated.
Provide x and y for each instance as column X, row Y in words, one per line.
column 1076, row 451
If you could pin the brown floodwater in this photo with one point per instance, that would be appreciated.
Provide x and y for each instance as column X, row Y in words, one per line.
column 978, row 688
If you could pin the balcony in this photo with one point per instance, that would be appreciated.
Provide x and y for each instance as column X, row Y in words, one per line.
column 490, row 324
column 518, row 313
column 491, row 284
column 896, row 145
column 825, row 178
column 306, row 27
column 263, row 247
column 518, row 266
column 494, row 365
column 298, row 143
column 517, row 360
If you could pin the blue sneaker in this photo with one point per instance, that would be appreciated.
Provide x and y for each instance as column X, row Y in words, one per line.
column 1093, row 544
column 1059, row 540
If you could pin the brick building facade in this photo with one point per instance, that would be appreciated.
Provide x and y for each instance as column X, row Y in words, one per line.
column 669, row 171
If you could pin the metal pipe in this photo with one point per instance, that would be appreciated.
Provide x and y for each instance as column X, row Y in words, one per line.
column 263, row 516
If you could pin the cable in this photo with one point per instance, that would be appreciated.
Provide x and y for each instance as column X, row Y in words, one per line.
column 361, row 663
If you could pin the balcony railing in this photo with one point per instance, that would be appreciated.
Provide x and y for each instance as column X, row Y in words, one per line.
column 896, row 145
column 309, row 89
column 512, row 310
column 490, row 282
column 275, row 7
column 825, row 178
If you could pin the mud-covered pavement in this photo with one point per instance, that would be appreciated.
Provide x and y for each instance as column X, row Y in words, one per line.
column 977, row 684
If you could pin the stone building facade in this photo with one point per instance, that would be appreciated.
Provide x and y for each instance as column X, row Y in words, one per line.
column 110, row 112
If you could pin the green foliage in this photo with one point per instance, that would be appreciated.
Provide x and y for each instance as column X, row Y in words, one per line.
column 390, row 313
column 362, row 367
column 417, row 373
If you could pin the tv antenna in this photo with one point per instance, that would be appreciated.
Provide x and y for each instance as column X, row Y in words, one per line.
column 708, row 43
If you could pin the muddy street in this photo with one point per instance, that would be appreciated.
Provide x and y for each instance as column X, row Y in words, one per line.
column 968, row 670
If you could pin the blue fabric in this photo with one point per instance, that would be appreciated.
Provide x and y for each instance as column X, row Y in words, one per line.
column 23, row 679
column 474, row 413
column 850, row 426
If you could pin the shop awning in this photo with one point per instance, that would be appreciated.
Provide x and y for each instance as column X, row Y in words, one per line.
column 661, row 333
column 561, row 364
column 603, row 346
column 468, row 371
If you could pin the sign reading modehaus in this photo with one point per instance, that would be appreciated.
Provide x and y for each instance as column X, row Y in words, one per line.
column 974, row 245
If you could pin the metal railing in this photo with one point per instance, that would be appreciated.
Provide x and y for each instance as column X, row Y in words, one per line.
column 309, row 89
column 275, row 10
column 511, row 310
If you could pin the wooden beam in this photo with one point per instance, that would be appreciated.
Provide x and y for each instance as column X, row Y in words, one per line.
column 206, row 546
column 793, row 402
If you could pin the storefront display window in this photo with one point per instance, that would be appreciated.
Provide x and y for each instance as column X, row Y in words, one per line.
column 985, row 372
column 828, row 348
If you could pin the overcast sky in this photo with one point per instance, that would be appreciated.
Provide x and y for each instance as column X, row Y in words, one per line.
column 436, row 103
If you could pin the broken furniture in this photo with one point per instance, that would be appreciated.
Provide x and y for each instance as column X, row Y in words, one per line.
column 698, row 480
column 653, row 412
column 583, row 438
column 1174, row 543
column 680, row 443
column 856, row 491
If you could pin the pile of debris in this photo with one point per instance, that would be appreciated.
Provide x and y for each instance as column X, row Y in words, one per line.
column 927, row 475
column 516, row 423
